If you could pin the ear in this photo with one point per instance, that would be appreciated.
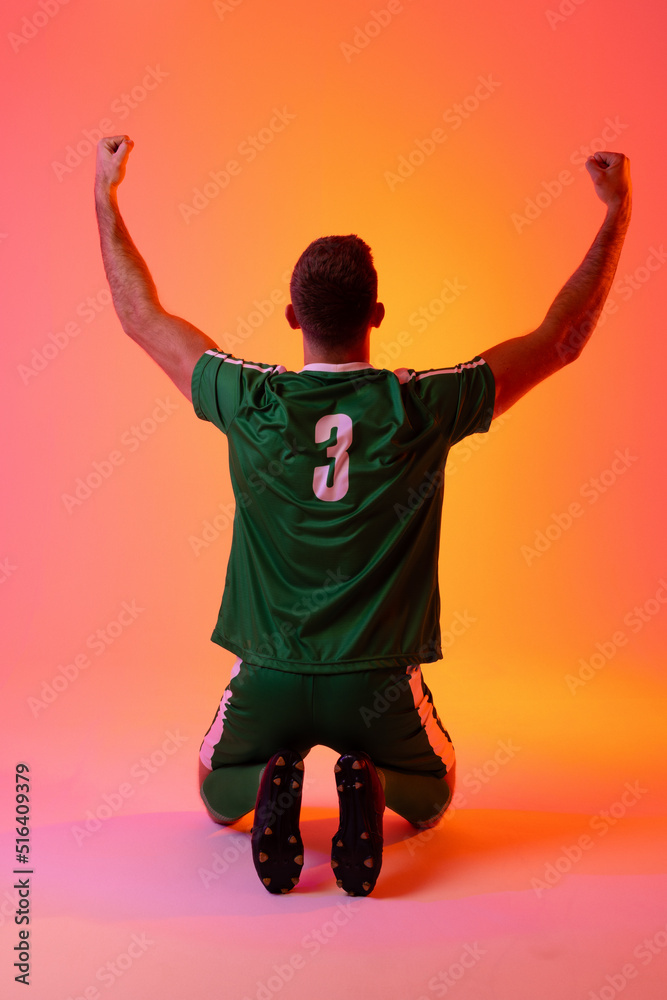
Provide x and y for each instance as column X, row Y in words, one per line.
column 378, row 314
column 290, row 316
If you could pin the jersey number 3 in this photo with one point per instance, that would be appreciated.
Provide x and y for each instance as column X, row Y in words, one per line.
column 332, row 481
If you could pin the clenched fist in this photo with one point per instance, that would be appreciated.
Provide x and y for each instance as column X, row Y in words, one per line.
column 610, row 173
column 112, row 154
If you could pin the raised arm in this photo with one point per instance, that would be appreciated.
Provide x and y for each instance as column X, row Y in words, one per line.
column 173, row 343
column 523, row 362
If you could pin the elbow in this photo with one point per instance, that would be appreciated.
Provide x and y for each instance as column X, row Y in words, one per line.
column 575, row 338
column 570, row 347
column 136, row 318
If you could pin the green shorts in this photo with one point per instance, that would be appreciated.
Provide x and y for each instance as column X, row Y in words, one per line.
column 387, row 713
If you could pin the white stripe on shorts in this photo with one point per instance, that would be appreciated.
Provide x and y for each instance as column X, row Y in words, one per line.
column 215, row 732
column 441, row 746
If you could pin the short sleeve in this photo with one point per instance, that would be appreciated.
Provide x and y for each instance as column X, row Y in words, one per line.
column 460, row 398
column 222, row 385
column 216, row 388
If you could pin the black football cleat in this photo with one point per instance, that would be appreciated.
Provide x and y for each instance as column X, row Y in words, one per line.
column 356, row 849
column 277, row 848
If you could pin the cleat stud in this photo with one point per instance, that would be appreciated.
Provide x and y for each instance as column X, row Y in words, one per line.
column 263, row 857
column 291, row 840
column 365, row 886
column 295, row 879
column 284, row 890
column 357, row 765
column 339, row 843
column 266, row 881
column 340, row 787
column 337, row 768
column 280, row 762
column 364, row 835
column 276, row 781
column 339, row 883
column 298, row 859
column 295, row 784
column 350, row 893
column 358, row 784
column 268, row 831
column 299, row 765
column 334, row 864
column 368, row 862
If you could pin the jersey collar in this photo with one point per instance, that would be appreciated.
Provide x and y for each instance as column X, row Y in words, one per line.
column 349, row 366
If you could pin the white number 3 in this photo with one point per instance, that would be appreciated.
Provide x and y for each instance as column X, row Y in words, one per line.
column 339, row 473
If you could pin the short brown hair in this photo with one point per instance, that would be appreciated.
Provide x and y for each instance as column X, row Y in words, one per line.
column 334, row 290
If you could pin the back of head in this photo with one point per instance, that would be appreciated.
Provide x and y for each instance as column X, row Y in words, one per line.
column 334, row 290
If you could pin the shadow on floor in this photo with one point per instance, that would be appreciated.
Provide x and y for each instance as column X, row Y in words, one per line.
column 153, row 864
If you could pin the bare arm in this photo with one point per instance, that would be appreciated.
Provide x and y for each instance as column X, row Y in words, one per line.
column 521, row 363
column 173, row 343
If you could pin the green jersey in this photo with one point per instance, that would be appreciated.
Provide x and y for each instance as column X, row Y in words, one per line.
column 338, row 477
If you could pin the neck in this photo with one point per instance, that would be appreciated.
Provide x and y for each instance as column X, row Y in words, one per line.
column 314, row 354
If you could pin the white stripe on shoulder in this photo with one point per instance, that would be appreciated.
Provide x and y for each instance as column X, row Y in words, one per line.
column 451, row 371
column 268, row 369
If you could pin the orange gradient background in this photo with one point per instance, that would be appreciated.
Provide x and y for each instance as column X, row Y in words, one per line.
column 190, row 82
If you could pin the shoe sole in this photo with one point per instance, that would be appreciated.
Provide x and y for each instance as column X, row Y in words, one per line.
column 356, row 848
column 277, row 847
